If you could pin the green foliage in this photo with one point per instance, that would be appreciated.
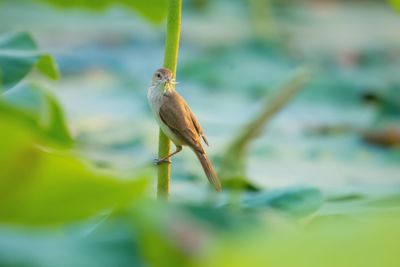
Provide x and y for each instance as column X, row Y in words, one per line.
column 38, row 107
column 19, row 54
column 38, row 184
column 109, row 245
column 152, row 10
column 297, row 201
column 366, row 244
column 42, row 186
column 395, row 4
column 157, row 234
column 28, row 102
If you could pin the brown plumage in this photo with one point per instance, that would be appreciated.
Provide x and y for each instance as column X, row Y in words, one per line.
column 178, row 121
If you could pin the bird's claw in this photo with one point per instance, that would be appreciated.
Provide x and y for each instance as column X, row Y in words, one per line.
column 161, row 161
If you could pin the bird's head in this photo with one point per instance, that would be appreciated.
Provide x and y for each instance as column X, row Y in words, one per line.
column 163, row 77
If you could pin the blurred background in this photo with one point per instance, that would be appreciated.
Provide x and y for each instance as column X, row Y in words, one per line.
column 300, row 101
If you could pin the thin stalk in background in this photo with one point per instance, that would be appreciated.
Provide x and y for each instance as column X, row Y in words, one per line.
column 170, row 62
column 234, row 160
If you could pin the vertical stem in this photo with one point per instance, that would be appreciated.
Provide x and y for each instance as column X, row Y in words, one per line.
column 170, row 62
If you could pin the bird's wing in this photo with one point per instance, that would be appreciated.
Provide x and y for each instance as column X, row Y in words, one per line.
column 173, row 112
column 196, row 124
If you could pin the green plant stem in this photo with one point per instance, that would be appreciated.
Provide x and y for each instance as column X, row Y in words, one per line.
column 233, row 161
column 170, row 62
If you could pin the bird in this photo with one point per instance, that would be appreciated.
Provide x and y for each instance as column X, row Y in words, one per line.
column 178, row 122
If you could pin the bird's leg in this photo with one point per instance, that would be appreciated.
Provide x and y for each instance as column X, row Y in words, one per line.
column 166, row 158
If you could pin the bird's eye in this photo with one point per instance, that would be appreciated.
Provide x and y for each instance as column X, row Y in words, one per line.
column 158, row 75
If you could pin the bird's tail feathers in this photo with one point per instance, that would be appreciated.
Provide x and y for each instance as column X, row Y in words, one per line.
column 208, row 169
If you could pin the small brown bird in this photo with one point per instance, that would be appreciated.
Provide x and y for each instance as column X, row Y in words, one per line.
column 177, row 121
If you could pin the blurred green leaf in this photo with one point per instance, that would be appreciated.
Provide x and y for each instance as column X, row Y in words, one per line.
column 43, row 187
column 152, row 10
column 109, row 244
column 39, row 108
column 296, row 201
column 19, row 54
column 48, row 66
column 223, row 218
column 389, row 200
column 239, row 183
column 167, row 234
column 395, row 4
column 364, row 244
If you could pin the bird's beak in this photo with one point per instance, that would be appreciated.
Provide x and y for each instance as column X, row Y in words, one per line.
column 167, row 81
